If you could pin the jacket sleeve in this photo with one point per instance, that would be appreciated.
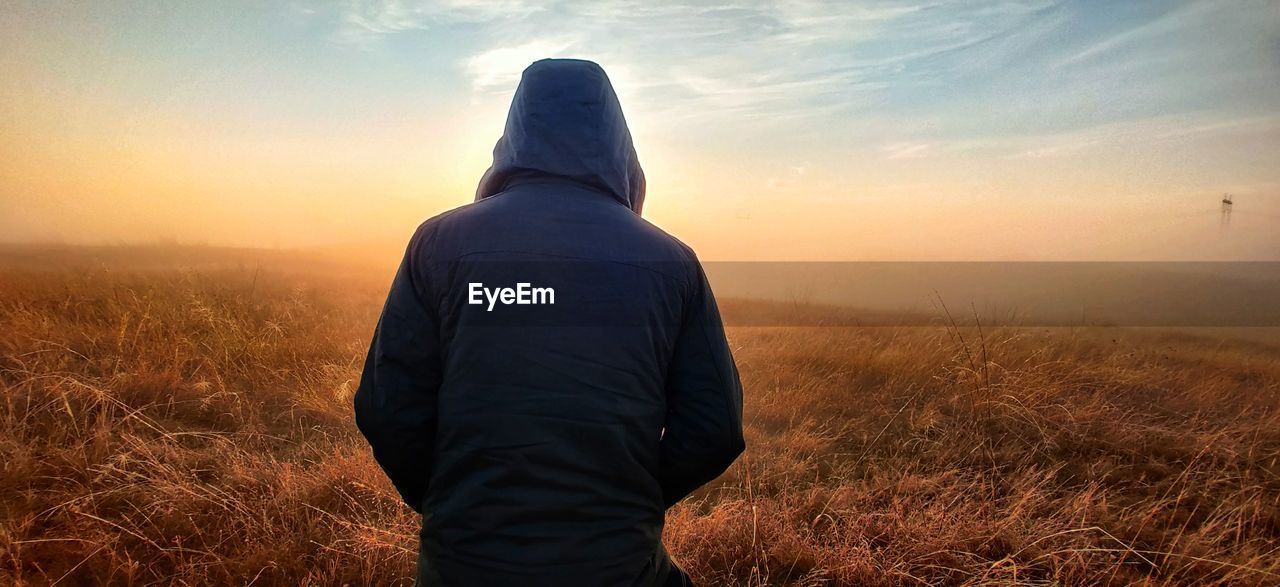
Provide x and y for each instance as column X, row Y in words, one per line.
column 395, row 403
column 703, row 433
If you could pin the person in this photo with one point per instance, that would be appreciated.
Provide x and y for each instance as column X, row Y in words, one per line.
column 550, row 372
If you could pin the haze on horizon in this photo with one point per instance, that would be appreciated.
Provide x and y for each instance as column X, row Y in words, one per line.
column 905, row 130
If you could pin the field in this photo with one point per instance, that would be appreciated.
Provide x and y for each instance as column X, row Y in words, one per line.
column 183, row 416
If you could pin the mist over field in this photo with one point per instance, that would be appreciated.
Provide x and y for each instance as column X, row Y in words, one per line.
column 1239, row 294
column 875, row 293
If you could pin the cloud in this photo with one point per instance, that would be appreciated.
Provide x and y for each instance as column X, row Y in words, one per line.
column 499, row 69
column 754, row 59
column 905, row 150
column 1169, row 23
column 942, row 74
column 790, row 177
column 1140, row 132
column 362, row 22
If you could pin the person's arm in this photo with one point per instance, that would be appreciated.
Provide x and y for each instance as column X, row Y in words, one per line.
column 703, row 433
column 395, row 404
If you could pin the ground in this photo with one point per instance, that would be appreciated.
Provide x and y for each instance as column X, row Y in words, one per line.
column 184, row 417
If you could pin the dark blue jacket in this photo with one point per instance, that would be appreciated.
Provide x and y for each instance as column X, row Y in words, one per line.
column 542, row 441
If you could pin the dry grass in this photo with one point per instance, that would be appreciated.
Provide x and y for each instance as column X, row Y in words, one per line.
column 193, row 426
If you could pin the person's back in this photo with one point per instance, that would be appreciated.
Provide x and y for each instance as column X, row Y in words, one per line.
column 543, row 430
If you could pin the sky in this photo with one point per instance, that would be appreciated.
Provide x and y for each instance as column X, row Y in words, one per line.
column 903, row 130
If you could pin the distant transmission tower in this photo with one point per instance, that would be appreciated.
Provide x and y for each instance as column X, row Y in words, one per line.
column 1226, row 211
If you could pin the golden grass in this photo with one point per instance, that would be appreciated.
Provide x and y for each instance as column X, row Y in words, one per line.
column 192, row 425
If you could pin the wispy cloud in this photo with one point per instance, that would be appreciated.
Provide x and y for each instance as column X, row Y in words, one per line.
column 499, row 68
column 1136, row 134
column 366, row 21
column 755, row 59
column 905, row 150
column 1168, row 23
column 942, row 74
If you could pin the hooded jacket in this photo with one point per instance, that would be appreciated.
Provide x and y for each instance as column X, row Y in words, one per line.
column 543, row 437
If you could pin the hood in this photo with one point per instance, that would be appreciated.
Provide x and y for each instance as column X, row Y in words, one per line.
column 565, row 121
